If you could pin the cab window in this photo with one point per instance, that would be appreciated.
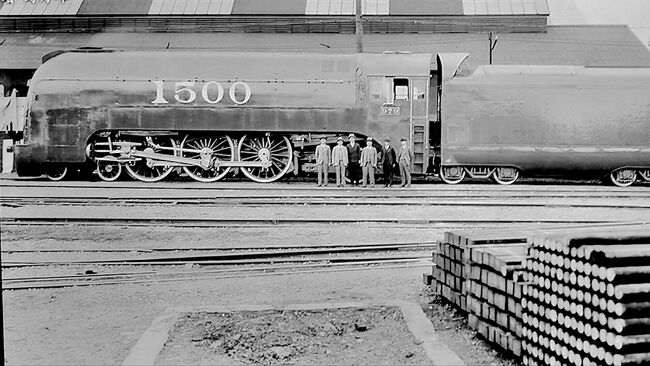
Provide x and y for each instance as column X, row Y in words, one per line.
column 400, row 89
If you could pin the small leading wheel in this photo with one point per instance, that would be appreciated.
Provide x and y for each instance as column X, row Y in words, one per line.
column 109, row 170
column 209, row 150
column 505, row 175
column 623, row 177
column 452, row 174
column 148, row 170
column 56, row 172
column 273, row 152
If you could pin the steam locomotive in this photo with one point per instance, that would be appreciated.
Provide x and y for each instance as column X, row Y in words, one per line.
column 209, row 113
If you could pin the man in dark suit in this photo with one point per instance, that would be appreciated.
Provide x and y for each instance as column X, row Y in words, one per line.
column 388, row 161
column 354, row 155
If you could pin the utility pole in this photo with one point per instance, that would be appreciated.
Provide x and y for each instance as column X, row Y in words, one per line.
column 491, row 38
column 358, row 25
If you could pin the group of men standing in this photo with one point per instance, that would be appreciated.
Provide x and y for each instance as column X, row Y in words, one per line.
column 362, row 162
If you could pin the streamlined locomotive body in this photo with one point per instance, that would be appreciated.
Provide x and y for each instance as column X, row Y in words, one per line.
column 208, row 112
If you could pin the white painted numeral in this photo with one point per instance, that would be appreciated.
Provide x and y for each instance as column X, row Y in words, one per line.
column 206, row 97
column 184, row 92
column 247, row 89
column 160, row 99
column 183, row 86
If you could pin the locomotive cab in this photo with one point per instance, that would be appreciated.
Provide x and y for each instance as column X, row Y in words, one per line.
column 398, row 100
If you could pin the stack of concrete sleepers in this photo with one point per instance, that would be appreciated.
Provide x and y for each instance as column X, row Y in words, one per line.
column 493, row 290
column 588, row 300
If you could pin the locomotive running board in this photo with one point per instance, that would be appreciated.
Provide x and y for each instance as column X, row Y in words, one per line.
column 194, row 162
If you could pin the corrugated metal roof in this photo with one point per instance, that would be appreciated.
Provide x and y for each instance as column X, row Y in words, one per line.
column 430, row 7
column 346, row 7
column 274, row 7
column 505, row 7
column 191, row 7
column 261, row 7
column 560, row 45
column 28, row 8
column 125, row 7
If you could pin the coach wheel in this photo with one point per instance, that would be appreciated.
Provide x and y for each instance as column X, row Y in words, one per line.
column 148, row 171
column 109, row 170
column 56, row 172
column 273, row 152
column 505, row 175
column 452, row 174
column 623, row 177
column 208, row 150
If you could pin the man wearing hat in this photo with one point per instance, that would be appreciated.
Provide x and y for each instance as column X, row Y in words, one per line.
column 405, row 159
column 340, row 161
column 323, row 157
column 369, row 162
column 388, row 161
column 354, row 155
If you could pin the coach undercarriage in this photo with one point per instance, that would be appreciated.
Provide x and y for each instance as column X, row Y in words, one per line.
column 205, row 157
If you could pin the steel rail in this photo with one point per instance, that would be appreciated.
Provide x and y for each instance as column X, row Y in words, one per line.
column 10, row 264
column 378, row 246
column 294, row 185
column 221, row 223
column 248, row 272
column 231, row 256
column 227, row 201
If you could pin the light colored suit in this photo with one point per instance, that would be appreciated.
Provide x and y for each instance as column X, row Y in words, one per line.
column 340, row 161
column 405, row 159
column 323, row 157
column 368, row 164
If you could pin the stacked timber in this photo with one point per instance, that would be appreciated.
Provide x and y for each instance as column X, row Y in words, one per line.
column 493, row 288
column 480, row 272
column 449, row 274
column 452, row 260
column 588, row 300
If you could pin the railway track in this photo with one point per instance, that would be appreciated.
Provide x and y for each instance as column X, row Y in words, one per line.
column 239, row 262
column 263, row 222
column 43, row 282
column 525, row 185
column 224, row 248
column 241, row 256
column 15, row 201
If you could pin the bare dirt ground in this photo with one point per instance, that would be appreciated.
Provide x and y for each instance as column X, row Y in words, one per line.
column 370, row 336
column 98, row 325
column 451, row 325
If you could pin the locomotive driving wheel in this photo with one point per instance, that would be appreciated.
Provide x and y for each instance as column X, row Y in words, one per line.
column 273, row 153
column 109, row 170
column 210, row 151
column 452, row 174
column 56, row 172
column 623, row 177
column 148, row 170
column 505, row 175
